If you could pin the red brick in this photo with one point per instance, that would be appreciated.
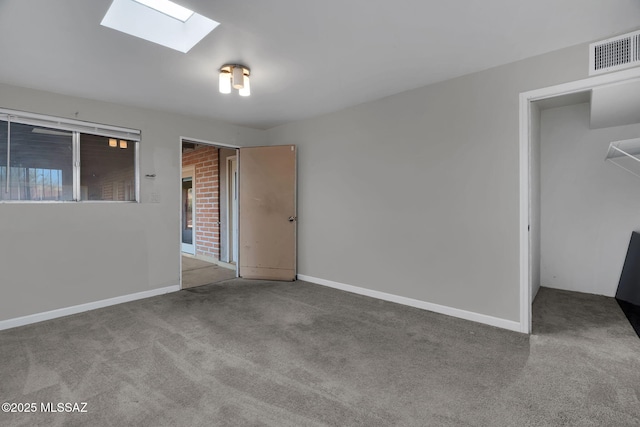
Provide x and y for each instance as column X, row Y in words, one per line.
column 205, row 160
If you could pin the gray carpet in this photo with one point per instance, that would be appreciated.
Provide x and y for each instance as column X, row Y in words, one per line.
column 296, row 354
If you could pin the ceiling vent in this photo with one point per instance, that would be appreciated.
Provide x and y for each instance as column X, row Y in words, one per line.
column 614, row 54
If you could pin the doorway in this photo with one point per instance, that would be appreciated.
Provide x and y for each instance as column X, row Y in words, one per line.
column 204, row 214
column 529, row 175
column 215, row 217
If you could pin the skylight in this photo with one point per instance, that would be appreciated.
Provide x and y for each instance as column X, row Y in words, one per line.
column 168, row 8
column 159, row 21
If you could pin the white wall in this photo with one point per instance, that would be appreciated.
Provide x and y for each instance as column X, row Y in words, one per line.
column 417, row 194
column 60, row 255
column 589, row 206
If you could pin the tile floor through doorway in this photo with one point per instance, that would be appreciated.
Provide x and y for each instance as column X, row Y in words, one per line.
column 196, row 272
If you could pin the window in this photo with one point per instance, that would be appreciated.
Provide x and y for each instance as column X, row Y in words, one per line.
column 49, row 159
column 107, row 168
column 40, row 163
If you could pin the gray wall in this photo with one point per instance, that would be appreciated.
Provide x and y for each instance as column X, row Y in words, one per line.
column 417, row 194
column 589, row 206
column 59, row 255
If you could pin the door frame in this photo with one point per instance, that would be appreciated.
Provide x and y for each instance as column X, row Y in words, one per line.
column 189, row 171
column 525, row 125
column 182, row 139
column 232, row 230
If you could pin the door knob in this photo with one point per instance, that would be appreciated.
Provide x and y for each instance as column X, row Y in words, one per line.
column 292, row 218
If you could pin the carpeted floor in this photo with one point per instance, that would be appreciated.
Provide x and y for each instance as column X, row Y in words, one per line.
column 296, row 354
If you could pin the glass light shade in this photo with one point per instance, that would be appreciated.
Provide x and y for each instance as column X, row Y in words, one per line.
column 113, row 142
column 238, row 78
column 123, row 143
column 224, row 82
column 246, row 90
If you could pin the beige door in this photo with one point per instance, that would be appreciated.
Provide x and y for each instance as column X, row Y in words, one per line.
column 267, row 212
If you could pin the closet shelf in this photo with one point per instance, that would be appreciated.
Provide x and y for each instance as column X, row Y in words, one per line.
column 626, row 155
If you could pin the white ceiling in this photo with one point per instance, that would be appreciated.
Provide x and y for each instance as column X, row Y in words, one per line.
column 306, row 57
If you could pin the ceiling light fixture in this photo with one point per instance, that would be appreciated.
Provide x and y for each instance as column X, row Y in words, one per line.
column 234, row 76
column 168, row 8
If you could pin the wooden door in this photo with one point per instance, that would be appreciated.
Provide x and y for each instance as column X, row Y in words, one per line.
column 267, row 212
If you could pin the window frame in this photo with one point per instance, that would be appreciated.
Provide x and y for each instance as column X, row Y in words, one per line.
column 76, row 127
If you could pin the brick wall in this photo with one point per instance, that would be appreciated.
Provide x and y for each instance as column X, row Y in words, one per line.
column 207, row 232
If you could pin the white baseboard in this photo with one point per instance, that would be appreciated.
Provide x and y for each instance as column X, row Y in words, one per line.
column 47, row 315
column 442, row 309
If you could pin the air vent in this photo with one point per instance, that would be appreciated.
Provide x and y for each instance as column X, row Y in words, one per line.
column 614, row 54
